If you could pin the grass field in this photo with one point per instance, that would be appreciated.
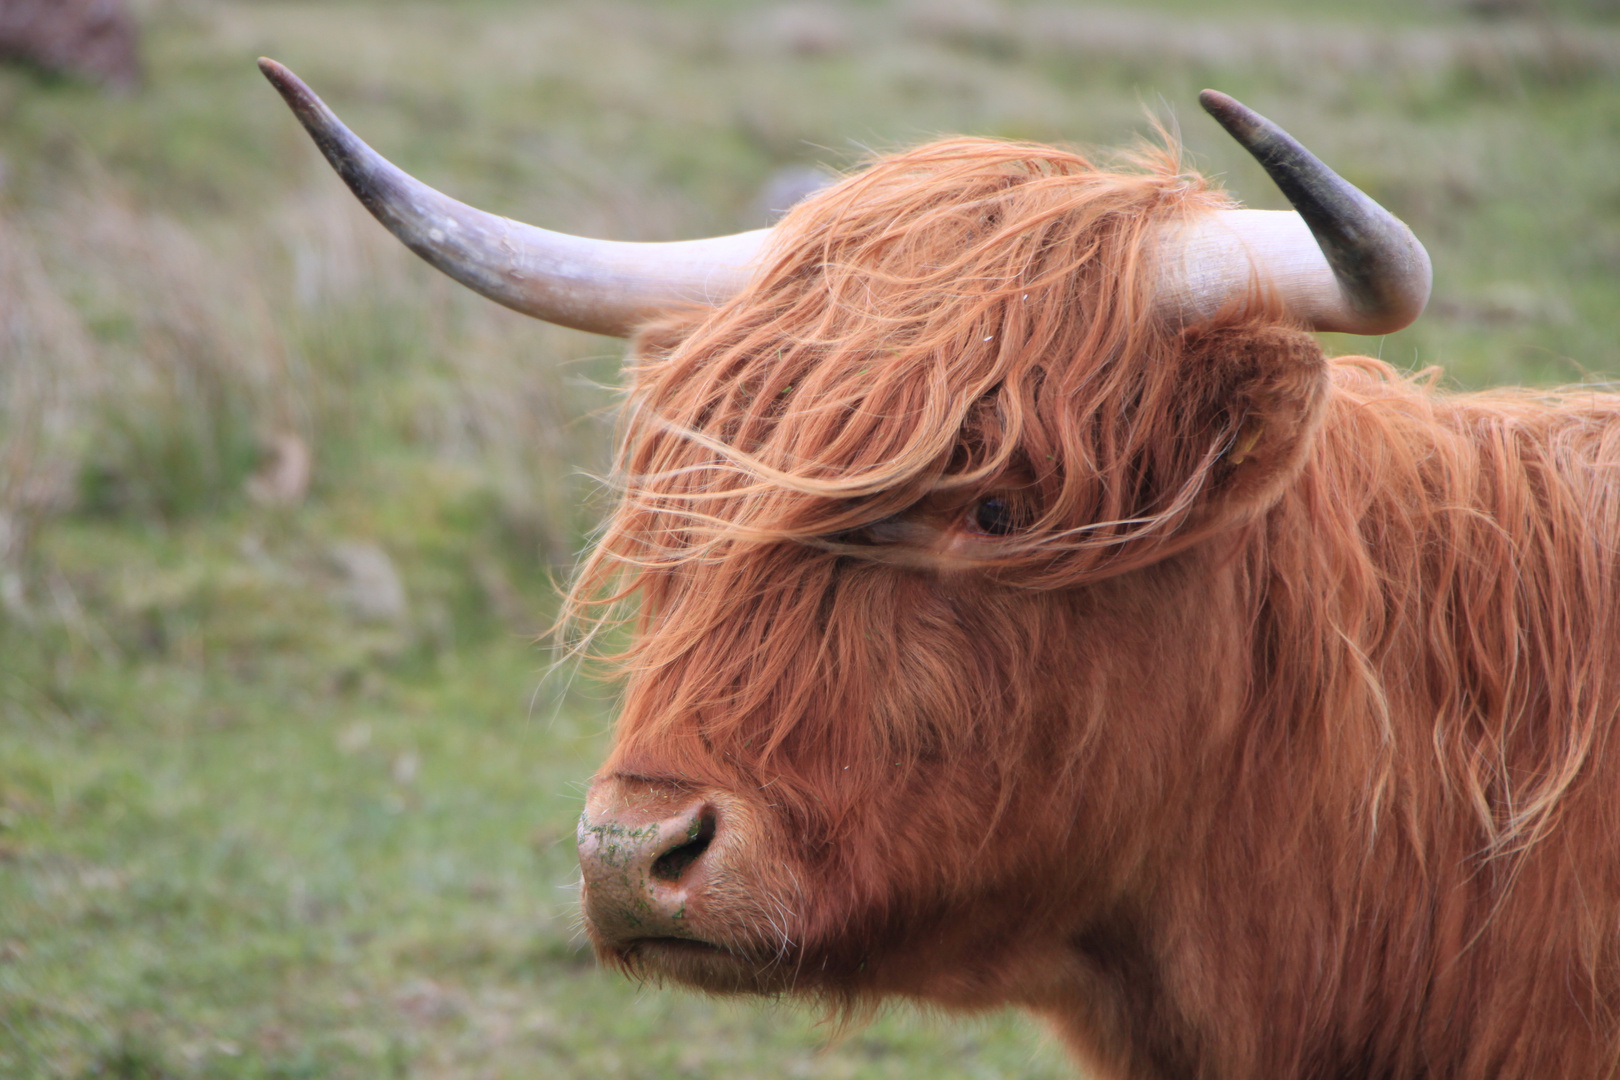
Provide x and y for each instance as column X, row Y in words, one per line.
column 286, row 787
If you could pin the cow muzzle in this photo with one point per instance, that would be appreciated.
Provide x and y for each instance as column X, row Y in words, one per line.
column 644, row 853
column 691, row 884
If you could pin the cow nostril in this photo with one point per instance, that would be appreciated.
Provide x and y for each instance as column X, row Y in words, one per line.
column 673, row 863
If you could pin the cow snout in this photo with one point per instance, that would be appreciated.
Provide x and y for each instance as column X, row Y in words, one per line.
column 643, row 865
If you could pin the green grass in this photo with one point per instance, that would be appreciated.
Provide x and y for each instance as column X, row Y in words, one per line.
column 247, row 830
column 246, row 834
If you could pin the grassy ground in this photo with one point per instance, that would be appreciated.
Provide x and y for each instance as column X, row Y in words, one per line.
column 256, row 820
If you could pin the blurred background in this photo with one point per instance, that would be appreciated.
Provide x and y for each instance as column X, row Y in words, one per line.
column 287, row 788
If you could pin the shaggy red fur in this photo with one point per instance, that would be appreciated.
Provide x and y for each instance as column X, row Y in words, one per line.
column 1264, row 730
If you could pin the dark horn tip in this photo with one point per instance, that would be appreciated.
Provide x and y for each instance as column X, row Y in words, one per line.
column 292, row 88
column 279, row 76
column 1238, row 119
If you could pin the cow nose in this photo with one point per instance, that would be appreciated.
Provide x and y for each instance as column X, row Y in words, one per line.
column 643, row 866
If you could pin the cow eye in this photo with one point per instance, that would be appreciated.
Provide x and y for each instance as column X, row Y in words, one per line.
column 993, row 516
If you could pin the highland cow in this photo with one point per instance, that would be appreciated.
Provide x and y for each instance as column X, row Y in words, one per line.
column 1023, row 611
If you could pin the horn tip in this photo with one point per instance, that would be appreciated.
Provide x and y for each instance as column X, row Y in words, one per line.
column 304, row 102
column 276, row 73
column 290, row 86
column 1237, row 118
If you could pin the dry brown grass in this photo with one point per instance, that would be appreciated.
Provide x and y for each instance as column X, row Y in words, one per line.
column 49, row 368
column 151, row 368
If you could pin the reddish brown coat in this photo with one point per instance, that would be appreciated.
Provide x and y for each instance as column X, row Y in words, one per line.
column 1270, row 737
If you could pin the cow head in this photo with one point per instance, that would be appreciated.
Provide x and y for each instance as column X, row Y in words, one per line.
column 920, row 491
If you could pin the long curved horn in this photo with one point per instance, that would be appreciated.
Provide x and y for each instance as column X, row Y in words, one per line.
column 1338, row 262
column 604, row 286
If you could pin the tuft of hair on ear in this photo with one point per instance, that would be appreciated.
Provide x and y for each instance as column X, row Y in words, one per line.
column 1266, row 386
column 656, row 339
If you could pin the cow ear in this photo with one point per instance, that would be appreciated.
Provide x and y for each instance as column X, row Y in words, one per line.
column 1267, row 386
column 657, row 338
